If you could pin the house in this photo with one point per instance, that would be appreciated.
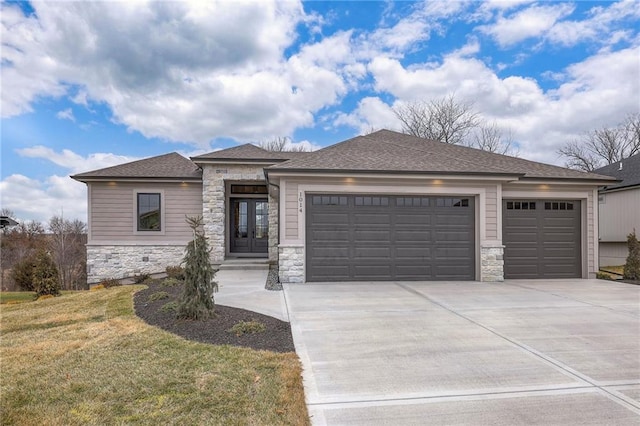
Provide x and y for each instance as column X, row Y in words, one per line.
column 619, row 210
column 384, row 206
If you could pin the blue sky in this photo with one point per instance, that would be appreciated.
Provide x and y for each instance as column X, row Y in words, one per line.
column 87, row 85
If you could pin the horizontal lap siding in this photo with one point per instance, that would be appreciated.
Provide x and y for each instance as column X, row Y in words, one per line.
column 113, row 210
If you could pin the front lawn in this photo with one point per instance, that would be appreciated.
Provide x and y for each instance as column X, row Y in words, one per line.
column 85, row 358
column 16, row 296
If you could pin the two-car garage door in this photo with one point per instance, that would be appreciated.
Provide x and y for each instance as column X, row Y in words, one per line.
column 384, row 237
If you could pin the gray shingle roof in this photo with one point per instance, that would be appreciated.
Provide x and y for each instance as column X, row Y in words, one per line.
column 388, row 151
column 627, row 170
column 247, row 152
column 167, row 166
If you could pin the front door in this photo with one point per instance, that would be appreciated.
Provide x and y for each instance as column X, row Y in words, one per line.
column 249, row 225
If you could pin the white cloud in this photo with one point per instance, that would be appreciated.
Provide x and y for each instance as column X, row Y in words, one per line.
column 66, row 114
column 593, row 93
column 31, row 199
column 175, row 63
column 599, row 27
column 371, row 114
column 530, row 22
column 73, row 162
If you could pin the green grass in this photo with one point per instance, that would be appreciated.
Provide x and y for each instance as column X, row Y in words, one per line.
column 85, row 358
column 16, row 296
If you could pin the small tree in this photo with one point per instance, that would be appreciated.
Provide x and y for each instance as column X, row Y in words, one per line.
column 22, row 273
column 196, row 302
column 632, row 267
column 45, row 275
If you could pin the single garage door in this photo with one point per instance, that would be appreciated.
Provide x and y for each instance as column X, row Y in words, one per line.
column 541, row 238
column 383, row 237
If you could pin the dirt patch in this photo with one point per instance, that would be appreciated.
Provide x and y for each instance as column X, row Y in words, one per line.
column 276, row 337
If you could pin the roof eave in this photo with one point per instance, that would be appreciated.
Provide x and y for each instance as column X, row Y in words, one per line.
column 292, row 171
column 269, row 161
column 86, row 179
column 590, row 181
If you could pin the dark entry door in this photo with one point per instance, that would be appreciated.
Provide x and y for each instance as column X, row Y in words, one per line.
column 249, row 225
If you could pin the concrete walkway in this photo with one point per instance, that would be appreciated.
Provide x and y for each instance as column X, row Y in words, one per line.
column 244, row 289
column 521, row 352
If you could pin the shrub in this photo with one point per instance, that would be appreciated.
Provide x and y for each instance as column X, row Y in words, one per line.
column 632, row 267
column 22, row 273
column 169, row 307
column 176, row 272
column 196, row 301
column 110, row 282
column 45, row 275
column 247, row 327
column 603, row 276
column 170, row 282
column 158, row 296
column 139, row 279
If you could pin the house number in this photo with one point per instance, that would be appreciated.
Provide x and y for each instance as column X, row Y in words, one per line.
column 300, row 200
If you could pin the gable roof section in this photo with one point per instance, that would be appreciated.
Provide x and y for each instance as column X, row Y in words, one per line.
column 627, row 170
column 172, row 166
column 246, row 153
column 393, row 152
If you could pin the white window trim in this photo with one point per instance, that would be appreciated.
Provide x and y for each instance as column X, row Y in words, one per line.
column 163, row 222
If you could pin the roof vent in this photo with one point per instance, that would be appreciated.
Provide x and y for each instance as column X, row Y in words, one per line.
column 620, row 168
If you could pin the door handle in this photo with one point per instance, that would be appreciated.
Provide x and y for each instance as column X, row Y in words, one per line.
column 253, row 233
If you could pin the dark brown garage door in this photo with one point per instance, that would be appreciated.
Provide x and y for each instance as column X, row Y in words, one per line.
column 541, row 238
column 382, row 237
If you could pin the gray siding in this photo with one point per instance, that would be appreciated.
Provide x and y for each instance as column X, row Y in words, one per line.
column 613, row 254
column 619, row 214
column 112, row 212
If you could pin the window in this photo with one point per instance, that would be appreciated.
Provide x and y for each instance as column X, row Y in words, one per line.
column 452, row 202
column 249, row 189
column 558, row 205
column 328, row 200
column 412, row 202
column 372, row 201
column 148, row 211
column 521, row 205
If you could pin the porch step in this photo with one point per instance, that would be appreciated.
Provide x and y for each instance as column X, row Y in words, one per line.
column 244, row 264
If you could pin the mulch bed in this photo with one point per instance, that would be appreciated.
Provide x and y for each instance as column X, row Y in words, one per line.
column 277, row 336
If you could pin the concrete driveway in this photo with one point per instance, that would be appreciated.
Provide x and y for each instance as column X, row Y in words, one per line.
column 519, row 352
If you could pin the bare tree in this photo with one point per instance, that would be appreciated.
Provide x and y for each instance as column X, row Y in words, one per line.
column 67, row 240
column 490, row 137
column 603, row 146
column 446, row 120
column 282, row 144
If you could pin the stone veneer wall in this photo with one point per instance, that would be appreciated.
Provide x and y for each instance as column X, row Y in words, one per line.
column 291, row 264
column 492, row 263
column 214, row 207
column 112, row 261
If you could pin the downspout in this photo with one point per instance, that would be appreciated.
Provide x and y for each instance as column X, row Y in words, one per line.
column 266, row 176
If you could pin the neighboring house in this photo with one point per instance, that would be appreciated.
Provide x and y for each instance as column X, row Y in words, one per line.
column 385, row 206
column 619, row 210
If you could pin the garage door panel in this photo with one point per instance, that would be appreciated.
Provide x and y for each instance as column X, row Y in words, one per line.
column 396, row 240
column 371, row 235
column 543, row 242
column 416, row 218
column 371, row 252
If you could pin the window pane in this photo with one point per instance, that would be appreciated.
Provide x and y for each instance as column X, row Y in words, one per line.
column 148, row 212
